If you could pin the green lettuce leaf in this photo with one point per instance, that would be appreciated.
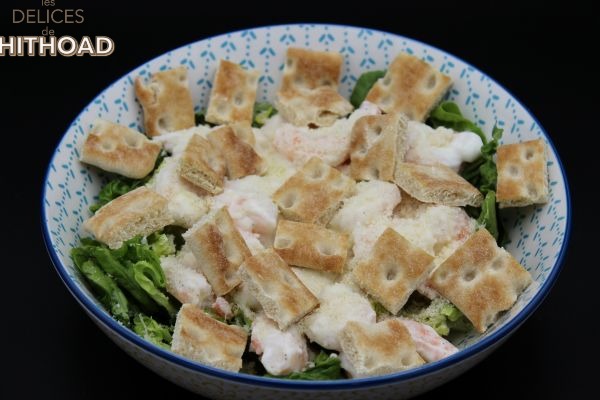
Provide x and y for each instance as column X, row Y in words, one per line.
column 487, row 217
column 440, row 314
column 106, row 289
column 326, row 368
column 120, row 185
column 364, row 83
column 262, row 112
column 162, row 244
column 448, row 114
column 153, row 331
column 133, row 268
column 239, row 318
column 115, row 188
column 123, row 276
column 150, row 280
column 211, row 313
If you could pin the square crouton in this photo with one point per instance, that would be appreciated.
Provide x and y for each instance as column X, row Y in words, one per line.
column 240, row 157
column 167, row 102
column 393, row 271
column 202, row 165
column 436, row 184
column 522, row 174
column 410, row 86
column 272, row 282
column 139, row 212
column 370, row 349
column 119, row 149
column 378, row 142
column 233, row 94
column 201, row 338
column 481, row 279
column 308, row 92
column 311, row 246
column 219, row 249
column 314, row 193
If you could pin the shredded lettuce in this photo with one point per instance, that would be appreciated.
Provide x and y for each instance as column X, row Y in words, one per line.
column 487, row 217
column 448, row 114
column 162, row 244
column 115, row 188
column 326, row 367
column 440, row 314
column 122, row 275
column 151, row 280
column 153, row 331
column 134, row 269
column 120, row 185
column 364, row 83
column 240, row 319
column 107, row 290
column 211, row 313
column 262, row 112
column 237, row 318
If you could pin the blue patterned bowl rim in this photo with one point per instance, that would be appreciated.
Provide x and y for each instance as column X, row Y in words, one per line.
column 348, row 384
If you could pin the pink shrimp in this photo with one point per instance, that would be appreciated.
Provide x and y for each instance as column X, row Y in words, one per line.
column 430, row 345
column 222, row 308
column 331, row 144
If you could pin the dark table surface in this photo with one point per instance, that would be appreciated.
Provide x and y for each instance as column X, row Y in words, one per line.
column 544, row 56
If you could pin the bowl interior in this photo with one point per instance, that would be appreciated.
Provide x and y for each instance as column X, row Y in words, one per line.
column 537, row 233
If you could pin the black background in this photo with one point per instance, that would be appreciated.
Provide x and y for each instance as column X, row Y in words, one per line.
column 544, row 56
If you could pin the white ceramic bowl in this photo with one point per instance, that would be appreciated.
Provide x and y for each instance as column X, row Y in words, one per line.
column 539, row 234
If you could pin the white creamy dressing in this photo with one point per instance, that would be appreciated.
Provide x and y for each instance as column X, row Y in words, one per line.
column 185, row 205
column 441, row 145
column 339, row 304
column 363, row 216
column 315, row 280
column 174, row 142
column 437, row 229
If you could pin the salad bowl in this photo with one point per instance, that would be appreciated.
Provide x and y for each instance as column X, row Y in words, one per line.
column 538, row 234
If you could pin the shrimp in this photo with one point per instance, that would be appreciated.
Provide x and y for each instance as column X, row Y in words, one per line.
column 430, row 345
column 331, row 143
column 222, row 308
column 252, row 210
column 184, row 280
column 282, row 352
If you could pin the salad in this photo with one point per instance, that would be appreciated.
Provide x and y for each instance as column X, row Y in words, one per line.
column 312, row 237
